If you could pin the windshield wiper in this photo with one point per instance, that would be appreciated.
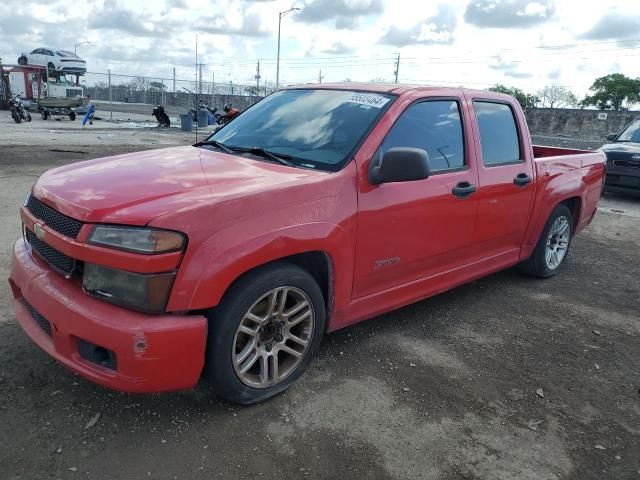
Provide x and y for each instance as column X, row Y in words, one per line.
column 280, row 158
column 219, row 145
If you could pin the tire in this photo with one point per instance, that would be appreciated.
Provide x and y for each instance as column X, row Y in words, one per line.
column 227, row 344
column 551, row 240
column 51, row 67
column 28, row 117
column 44, row 115
column 72, row 116
column 22, row 60
column 16, row 116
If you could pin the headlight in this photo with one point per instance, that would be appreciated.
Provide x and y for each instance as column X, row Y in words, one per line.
column 135, row 239
column 147, row 293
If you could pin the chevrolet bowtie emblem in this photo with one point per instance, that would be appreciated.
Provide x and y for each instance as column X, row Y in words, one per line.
column 39, row 231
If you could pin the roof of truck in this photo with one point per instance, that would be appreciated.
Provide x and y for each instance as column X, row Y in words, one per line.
column 395, row 88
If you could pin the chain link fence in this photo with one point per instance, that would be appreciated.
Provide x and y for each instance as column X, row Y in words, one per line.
column 177, row 95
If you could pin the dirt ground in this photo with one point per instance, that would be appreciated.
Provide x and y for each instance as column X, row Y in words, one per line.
column 443, row 389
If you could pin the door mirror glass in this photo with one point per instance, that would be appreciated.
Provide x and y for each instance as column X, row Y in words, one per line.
column 399, row 164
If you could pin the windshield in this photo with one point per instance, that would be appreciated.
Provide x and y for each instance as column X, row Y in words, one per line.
column 314, row 128
column 631, row 133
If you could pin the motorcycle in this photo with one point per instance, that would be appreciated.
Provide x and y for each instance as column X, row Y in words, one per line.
column 161, row 116
column 18, row 112
column 214, row 118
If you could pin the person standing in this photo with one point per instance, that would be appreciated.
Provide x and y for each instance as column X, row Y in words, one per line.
column 90, row 111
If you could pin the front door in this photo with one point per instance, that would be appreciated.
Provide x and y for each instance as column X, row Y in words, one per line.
column 412, row 230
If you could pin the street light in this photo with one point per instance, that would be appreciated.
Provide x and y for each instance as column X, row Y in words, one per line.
column 75, row 46
column 280, row 15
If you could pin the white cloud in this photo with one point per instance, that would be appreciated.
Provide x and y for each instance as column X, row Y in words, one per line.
column 465, row 42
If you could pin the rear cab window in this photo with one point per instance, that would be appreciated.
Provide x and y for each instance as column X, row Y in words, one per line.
column 434, row 126
column 499, row 137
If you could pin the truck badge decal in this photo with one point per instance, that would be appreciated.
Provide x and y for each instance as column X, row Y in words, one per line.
column 39, row 231
column 385, row 262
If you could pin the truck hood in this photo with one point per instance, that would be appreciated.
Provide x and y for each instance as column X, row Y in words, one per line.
column 622, row 151
column 135, row 188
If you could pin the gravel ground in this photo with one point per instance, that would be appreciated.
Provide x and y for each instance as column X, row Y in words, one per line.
column 507, row 377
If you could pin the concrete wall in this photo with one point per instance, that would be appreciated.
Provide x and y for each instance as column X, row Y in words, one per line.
column 580, row 124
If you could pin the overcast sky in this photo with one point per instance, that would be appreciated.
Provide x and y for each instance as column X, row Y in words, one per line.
column 475, row 43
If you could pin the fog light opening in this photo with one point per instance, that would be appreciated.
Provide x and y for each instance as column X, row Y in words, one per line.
column 97, row 354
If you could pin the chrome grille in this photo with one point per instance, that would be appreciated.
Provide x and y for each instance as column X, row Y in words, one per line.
column 53, row 219
column 58, row 260
column 626, row 164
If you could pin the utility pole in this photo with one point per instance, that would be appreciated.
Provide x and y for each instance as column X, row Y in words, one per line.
column 174, row 79
column 258, row 77
column 110, row 97
column 213, row 88
column 397, row 67
column 200, row 79
column 280, row 15
column 196, row 105
column 320, row 76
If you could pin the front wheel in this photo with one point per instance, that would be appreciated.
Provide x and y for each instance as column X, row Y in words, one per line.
column 264, row 333
column 553, row 245
column 16, row 116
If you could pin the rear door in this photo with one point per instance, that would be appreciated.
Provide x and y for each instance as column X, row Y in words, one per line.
column 505, row 181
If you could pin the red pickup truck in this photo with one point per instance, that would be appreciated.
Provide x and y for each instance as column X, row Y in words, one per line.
column 316, row 208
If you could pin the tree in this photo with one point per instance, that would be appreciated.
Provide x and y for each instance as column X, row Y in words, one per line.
column 157, row 87
column 139, row 84
column 253, row 90
column 615, row 91
column 526, row 100
column 554, row 96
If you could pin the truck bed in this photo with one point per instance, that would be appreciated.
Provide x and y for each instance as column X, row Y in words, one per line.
column 543, row 151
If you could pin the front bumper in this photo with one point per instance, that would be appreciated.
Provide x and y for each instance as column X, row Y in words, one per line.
column 622, row 179
column 153, row 353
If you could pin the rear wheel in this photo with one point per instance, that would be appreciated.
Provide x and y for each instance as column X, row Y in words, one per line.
column 51, row 67
column 27, row 117
column 553, row 245
column 72, row 116
column 264, row 333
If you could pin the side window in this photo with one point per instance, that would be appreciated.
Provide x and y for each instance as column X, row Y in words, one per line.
column 498, row 133
column 37, row 51
column 48, row 53
column 434, row 126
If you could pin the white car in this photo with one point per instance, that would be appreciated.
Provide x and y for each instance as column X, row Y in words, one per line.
column 61, row 61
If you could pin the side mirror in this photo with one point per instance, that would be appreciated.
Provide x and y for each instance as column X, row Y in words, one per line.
column 399, row 164
column 612, row 136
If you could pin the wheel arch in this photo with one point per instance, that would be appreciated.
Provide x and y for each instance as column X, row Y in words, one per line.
column 574, row 204
column 316, row 263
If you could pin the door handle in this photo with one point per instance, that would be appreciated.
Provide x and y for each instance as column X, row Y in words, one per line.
column 522, row 179
column 463, row 189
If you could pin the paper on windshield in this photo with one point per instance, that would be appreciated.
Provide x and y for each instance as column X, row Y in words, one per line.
column 371, row 99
